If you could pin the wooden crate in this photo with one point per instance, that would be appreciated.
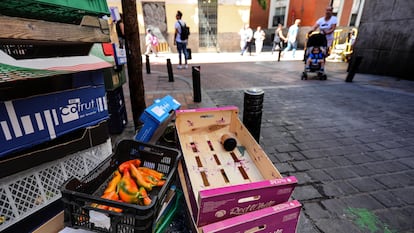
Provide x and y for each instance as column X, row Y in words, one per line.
column 222, row 184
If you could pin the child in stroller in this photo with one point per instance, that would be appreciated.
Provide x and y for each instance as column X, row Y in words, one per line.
column 315, row 54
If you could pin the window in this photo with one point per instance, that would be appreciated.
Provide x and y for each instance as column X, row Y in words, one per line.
column 354, row 12
column 279, row 16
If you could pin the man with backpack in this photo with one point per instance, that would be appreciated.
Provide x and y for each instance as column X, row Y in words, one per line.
column 180, row 39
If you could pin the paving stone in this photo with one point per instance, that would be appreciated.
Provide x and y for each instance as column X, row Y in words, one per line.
column 376, row 146
column 315, row 211
column 306, row 192
column 286, row 148
column 334, row 151
column 381, row 155
column 359, row 158
column 302, row 177
column 312, row 154
column 401, row 152
column 319, row 175
column 388, row 199
column 396, row 217
column 344, row 187
column 284, row 168
column 363, row 201
column 408, row 162
column 396, row 166
column 305, row 225
column 338, row 226
column 379, row 167
column 297, row 156
column 280, row 157
column 341, row 161
column 335, row 207
column 396, row 180
column 329, row 190
column 362, row 170
column 366, row 184
column 347, row 141
column 340, row 173
column 321, row 163
column 301, row 165
column 405, row 194
column 390, row 144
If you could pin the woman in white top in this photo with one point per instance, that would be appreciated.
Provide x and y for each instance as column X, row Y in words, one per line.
column 259, row 37
column 326, row 25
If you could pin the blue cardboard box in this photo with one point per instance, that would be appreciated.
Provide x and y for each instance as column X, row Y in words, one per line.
column 37, row 119
column 155, row 115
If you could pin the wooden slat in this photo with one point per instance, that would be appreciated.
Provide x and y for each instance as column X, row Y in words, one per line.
column 29, row 29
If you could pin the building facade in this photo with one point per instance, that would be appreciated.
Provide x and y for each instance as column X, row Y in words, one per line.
column 214, row 25
column 385, row 38
column 287, row 11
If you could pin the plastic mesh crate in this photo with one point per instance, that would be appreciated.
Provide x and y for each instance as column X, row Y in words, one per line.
column 78, row 195
column 12, row 73
column 26, row 192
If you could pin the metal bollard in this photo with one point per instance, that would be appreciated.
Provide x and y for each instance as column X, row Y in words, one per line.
column 196, row 84
column 147, row 64
column 352, row 68
column 170, row 72
column 252, row 111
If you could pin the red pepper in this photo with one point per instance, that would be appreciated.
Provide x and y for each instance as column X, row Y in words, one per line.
column 125, row 165
column 143, row 195
column 113, row 183
column 139, row 178
column 127, row 188
column 152, row 172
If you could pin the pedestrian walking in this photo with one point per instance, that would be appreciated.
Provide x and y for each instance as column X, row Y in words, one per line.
column 181, row 43
column 246, row 37
column 151, row 42
column 279, row 38
column 259, row 36
column 292, row 36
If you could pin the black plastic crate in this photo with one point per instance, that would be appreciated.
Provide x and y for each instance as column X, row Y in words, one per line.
column 78, row 195
column 117, row 121
column 115, row 99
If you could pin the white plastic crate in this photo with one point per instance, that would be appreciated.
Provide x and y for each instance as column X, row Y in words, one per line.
column 26, row 192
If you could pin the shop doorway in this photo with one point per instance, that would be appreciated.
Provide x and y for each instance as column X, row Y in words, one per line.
column 207, row 15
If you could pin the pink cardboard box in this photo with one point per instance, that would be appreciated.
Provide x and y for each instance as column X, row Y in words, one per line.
column 279, row 218
column 222, row 184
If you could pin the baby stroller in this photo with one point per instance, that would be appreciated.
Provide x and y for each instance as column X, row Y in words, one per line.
column 315, row 64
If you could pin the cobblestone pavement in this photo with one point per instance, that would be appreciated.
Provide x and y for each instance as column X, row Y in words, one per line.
column 351, row 145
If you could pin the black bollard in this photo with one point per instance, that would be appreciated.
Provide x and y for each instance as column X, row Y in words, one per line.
column 252, row 111
column 147, row 64
column 196, row 84
column 353, row 67
column 170, row 72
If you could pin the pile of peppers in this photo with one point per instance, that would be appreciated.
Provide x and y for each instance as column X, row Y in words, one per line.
column 131, row 183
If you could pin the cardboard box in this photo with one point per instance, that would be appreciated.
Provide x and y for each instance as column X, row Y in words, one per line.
column 279, row 218
column 155, row 116
column 222, row 184
column 31, row 121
